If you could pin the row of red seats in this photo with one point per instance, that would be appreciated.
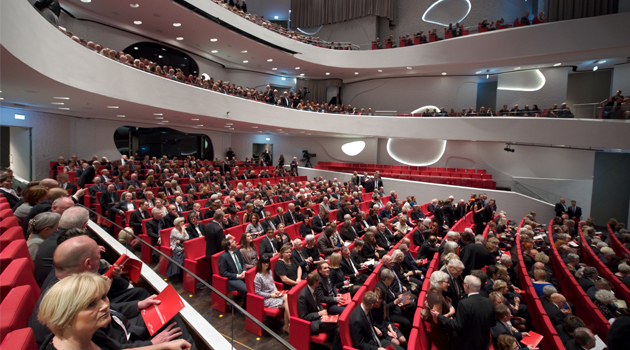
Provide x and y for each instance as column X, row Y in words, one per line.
column 616, row 245
column 621, row 291
column 18, row 290
column 587, row 311
column 541, row 321
column 369, row 167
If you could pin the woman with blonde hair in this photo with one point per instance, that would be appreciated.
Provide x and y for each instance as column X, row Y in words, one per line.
column 75, row 308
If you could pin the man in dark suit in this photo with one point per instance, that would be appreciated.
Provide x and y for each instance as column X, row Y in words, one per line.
column 284, row 100
column 378, row 182
column 88, row 174
column 557, row 309
column 290, row 217
column 133, row 181
column 326, row 291
column 561, row 208
column 192, row 186
column 618, row 335
column 299, row 257
column 383, row 239
column 167, row 189
column 169, row 218
column 124, row 205
column 318, row 223
column 62, row 178
column 588, row 279
column 214, row 234
column 503, row 327
column 460, row 210
column 269, row 245
column 311, row 309
column 574, row 212
column 96, row 188
column 268, row 222
column 324, row 242
column 154, row 226
column 455, row 290
column 474, row 256
column 428, row 249
column 232, row 267
column 474, row 318
column 194, row 228
column 279, row 219
column 135, row 219
column 351, row 267
column 583, row 338
column 362, row 331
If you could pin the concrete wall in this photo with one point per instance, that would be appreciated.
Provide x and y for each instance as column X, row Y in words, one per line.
column 621, row 79
column 587, row 87
column 516, row 205
column 360, row 31
column 554, row 91
column 611, row 188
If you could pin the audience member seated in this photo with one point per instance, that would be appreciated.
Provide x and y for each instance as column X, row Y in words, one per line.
column 40, row 228
column 232, row 267
column 248, row 250
column 401, row 307
column 266, row 288
column 557, row 309
column 368, row 331
column 310, row 309
column 286, row 271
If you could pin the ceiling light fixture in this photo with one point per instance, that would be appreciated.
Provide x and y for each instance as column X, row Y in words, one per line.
column 214, row 39
column 245, row 61
column 158, row 114
column 159, row 118
column 64, row 108
column 297, row 68
column 59, row 98
column 135, row 6
column 195, row 119
column 274, row 68
column 121, row 116
column 408, row 67
column 356, row 73
column 443, row 73
column 229, row 123
column 137, row 23
column 283, row 78
column 327, row 73
column 478, row 72
column 112, row 106
column 557, row 64
column 602, row 61
column 164, row 121
column 180, row 38
column 380, row 71
column 214, row 51
column 595, row 68
column 57, row 103
column 200, row 125
column 270, row 60
column 275, row 17
column 517, row 68
column 244, row 51
column 302, row 74
column 177, row 24
column 86, row 1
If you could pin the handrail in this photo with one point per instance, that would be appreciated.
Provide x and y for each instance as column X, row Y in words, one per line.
column 206, row 284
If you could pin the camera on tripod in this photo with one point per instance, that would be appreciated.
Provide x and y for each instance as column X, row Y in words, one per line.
column 306, row 158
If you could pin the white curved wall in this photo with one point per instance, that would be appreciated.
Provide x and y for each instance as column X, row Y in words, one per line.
column 553, row 92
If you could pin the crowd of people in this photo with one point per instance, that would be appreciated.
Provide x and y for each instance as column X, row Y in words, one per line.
column 554, row 112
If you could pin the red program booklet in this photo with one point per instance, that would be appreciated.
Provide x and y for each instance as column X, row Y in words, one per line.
column 133, row 268
column 282, row 293
column 121, row 261
column 345, row 299
column 157, row 316
column 391, row 347
column 330, row 318
column 362, row 271
column 532, row 339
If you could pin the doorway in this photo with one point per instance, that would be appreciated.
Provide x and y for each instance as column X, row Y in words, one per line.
column 16, row 151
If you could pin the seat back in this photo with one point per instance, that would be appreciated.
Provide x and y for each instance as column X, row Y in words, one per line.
column 292, row 297
column 7, row 223
column 214, row 260
column 12, row 234
column 16, row 309
column 18, row 273
column 344, row 325
column 21, row 339
column 15, row 250
column 195, row 248
column 249, row 279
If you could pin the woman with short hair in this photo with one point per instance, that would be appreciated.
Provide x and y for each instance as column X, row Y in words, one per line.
column 440, row 334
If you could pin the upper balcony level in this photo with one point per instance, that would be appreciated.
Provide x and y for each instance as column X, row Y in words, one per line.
column 235, row 39
column 40, row 63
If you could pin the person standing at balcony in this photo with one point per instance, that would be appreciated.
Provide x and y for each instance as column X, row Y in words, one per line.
column 50, row 9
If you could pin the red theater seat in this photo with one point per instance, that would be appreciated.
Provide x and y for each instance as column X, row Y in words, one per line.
column 7, row 223
column 195, row 261
column 256, row 303
column 10, row 235
column 220, row 283
column 21, row 339
column 15, row 250
column 16, row 309
column 18, row 273
column 299, row 327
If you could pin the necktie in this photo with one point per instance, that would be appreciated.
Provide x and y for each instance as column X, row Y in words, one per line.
column 291, row 215
column 369, row 319
column 238, row 265
column 159, row 226
column 272, row 225
column 319, row 305
column 399, row 284
column 112, row 197
column 273, row 246
column 352, row 265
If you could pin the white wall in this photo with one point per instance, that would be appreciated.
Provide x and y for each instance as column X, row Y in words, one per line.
column 621, row 79
column 515, row 204
column 407, row 94
column 554, row 91
column 361, row 31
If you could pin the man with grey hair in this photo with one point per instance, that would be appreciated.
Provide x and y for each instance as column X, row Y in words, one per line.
column 589, row 276
column 474, row 317
column 583, row 338
column 305, row 262
column 455, row 290
column 75, row 217
column 547, row 292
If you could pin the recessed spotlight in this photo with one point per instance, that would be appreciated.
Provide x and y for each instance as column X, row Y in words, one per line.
column 134, row 5
column 356, row 73
column 557, row 64
column 158, row 114
column 86, row 1
column 380, row 71
column 112, row 106
column 297, row 68
column 327, row 73
column 137, row 23
column 487, row 76
column 60, row 98
column 254, row 127
column 57, row 103
column 408, row 67
column 177, row 24
column 517, row 68
column 245, row 61
column 214, row 39
column 121, row 116
column 244, row 51
column 200, row 125
column 159, row 118
column 229, row 123
column 275, row 17
column 164, row 121
column 274, row 68
column 135, row 47
column 227, row 126
column 214, row 51
column 64, row 108
column 302, row 74
column 595, row 68
column 443, row 73
column 602, row 62
column 267, row 139
column 283, row 78
column 195, row 119
column 180, row 38
column 270, row 60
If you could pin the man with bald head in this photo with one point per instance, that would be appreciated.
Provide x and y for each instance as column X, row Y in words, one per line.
column 557, row 309
column 127, row 329
column 52, row 197
column 73, row 217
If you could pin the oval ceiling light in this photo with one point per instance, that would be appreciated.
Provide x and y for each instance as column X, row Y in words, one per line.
column 302, row 74
column 595, row 68
column 137, row 23
column 121, row 116
column 297, row 68
column 443, row 73
column 135, row 6
column 57, row 103
column 112, row 106
column 59, row 98
column 408, row 67
column 270, row 60
column 244, row 51
column 407, row 154
column 327, row 73
column 353, row 148
column 158, row 113
column 245, row 61
column 214, row 39
column 180, row 38
column 380, row 71
column 356, row 73
column 274, row 68
column 478, row 72
column 529, row 80
column 443, row 12
column 177, row 24
column 214, row 51
column 86, row 1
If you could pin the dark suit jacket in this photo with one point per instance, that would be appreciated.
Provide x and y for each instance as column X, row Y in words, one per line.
column 153, row 229
column 267, row 245
column 326, row 292
column 361, row 331
column 228, row 267
column 586, row 283
column 308, row 309
column 324, row 245
column 381, row 240
column 555, row 315
column 290, row 218
column 192, row 232
column 427, row 251
column 92, row 190
column 214, row 237
column 452, row 290
column 298, row 259
column 348, row 234
column 265, row 224
column 168, row 192
column 459, row 211
column 559, row 209
column 618, row 335
column 501, row 328
column 106, row 198
column 472, row 323
column 193, row 186
column 87, row 176
column 277, row 220
column 577, row 213
column 72, row 187
column 135, row 220
column 122, row 205
column 318, row 224
column 475, row 256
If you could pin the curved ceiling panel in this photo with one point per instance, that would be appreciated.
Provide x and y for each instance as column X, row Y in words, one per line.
column 529, row 80
column 444, row 12
column 418, row 152
column 353, row 148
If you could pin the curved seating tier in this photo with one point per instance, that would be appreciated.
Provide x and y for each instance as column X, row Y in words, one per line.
column 616, row 244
